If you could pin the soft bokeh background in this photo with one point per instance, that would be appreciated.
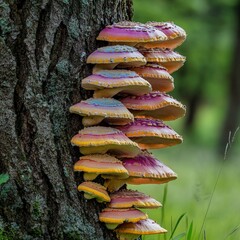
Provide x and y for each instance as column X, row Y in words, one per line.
column 209, row 84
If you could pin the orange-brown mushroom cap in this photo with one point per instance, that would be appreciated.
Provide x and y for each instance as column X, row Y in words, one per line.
column 169, row 59
column 93, row 165
column 113, row 216
column 151, row 134
column 157, row 76
column 130, row 231
column 126, row 198
column 102, row 140
column 95, row 110
column 108, row 83
column 94, row 190
column 155, row 105
column 175, row 35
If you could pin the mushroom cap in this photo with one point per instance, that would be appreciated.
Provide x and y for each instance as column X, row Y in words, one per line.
column 175, row 34
column 169, row 59
column 157, row 76
column 116, row 54
column 94, row 190
column 146, row 169
column 127, row 198
column 155, row 105
column 127, row 31
column 118, row 216
column 151, row 134
column 142, row 169
column 142, row 227
column 107, row 83
column 101, row 140
column 101, row 164
column 97, row 109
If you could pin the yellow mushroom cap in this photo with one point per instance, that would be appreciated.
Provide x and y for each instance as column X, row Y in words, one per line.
column 96, row 110
column 103, row 140
column 94, row 190
column 101, row 164
column 118, row 216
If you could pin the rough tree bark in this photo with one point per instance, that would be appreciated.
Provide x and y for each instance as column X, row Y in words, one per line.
column 43, row 50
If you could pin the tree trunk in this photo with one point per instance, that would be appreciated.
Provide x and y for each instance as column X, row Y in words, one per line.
column 43, row 50
column 232, row 118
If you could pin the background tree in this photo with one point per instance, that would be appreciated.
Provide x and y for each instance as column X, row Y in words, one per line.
column 43, row 50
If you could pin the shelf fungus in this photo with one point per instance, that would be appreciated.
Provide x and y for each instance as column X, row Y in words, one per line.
column 155, row 105
column 94, row 190
column 175, row 35
column 131, row 33
column 157, row 76
column 131, row 231
column 112, row 217
column 95, row 110
column 151, row 134
column 101, row 140
column 126, row 198
column 142, row 169
column 100, row 164
column 167, row 58
column 118, row 55
column 107, row 83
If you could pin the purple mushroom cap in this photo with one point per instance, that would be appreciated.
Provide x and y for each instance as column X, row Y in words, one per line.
column 155, row 105
column 151, row 134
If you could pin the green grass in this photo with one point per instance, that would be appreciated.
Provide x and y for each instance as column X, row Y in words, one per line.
column 197, row 170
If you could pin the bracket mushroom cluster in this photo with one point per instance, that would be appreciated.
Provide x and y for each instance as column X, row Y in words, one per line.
column 124, row 119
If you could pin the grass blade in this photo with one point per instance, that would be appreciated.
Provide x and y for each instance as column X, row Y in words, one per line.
column 178, row 237
column 228, row 145
column 165, row 192
column 189, row 233
column 233, row 231
column 176, row 225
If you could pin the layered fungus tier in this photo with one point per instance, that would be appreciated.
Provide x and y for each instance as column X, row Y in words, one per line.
column 124, row 120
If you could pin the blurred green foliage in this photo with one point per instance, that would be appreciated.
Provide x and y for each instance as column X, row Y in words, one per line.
column 211, row 28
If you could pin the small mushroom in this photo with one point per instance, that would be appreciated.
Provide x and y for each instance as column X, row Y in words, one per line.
column 157, row 76
column 93, row 165
column 167, row 58
column 155, row 105
column 131, row 231
column 94, row 140
column 111, row 56
column 175, row 35
column 108, row 83
column 142, row 169
column 94, row 190
column 126, row 198
column 95, row 110
column 151, row 134
column 112, row 217
column 131, row 33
